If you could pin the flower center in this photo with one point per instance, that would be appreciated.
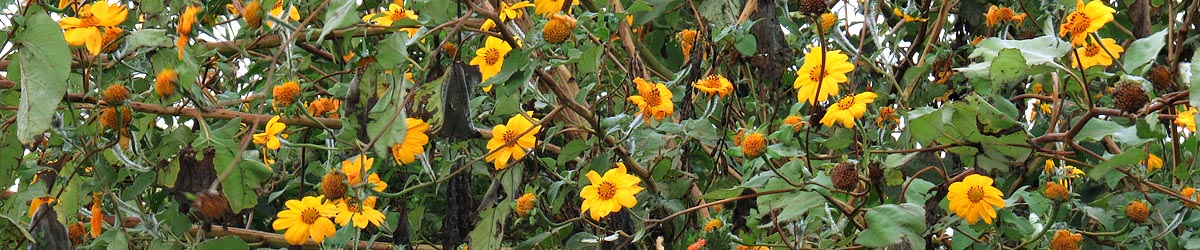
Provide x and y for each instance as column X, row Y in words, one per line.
column 309, row 215
column 398, row 15
column 607, row 190
column 510, row 136
column 492, row 56
column 975, row 194
column 1092, row 50
column 846, row 103
column 1079, row 22
column 1004, row 14
column 87, row 19
column 815, row 75
column 652, row 98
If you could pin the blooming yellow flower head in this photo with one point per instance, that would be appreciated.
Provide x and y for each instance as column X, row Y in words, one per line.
column 1092, row 54
column 848, row 109
column 405, row 152
column 907, row 17
column 654, row 100
column 609, row 193
column 306, row 218
column 810, row 75
column 1065, row 240
column 186, row 20
column 324, row 107
column 164, row 82
column 360, row 213
column 713, row 224
column 271, row 134
column 1085, row 20
column 490, row 58
column 1152, row 162
column 37, row 202
column 253, row 13
column 83, row 29
column 510, row 141
column 525, row 204
column 1187, row 119
column 716, row 85
column 277, row 12
column 360, row 166
column 550, row 7
column 394, row 13
column 687, row 39
column 286, row 93
column 974, row 197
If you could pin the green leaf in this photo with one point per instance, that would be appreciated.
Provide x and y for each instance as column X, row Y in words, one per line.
column 1194, row 86
column 488, row 233
column 339, row 15
column 1007, row 66
column 392, row 50
column 747, row 45
column 572, row 150
column 45, row 65
column 1143, row 51
column 1097, row 129
column 797, row 205
column 890, row 224
column 589, row 61
column 223, row 243
column 722, row 193
column 1129, row 157
column 1043, row 50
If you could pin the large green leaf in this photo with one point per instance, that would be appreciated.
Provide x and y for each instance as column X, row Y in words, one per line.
column 1194, row 86
column 45, row 64
column 223, row 243
column 339, row 15
column 1143, row 51
column 891, row 224
column 1007, row 66
column 1043, row 50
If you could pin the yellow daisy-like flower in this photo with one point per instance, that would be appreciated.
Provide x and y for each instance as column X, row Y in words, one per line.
column 508, row 142
column 405, row 152
column 355, row 168
column 848, row 109
column 608, row 193
column 277, row 12
column 1085, row 20
column 550, row 7
column 1092, row 54
column 1187, row 119
column 810, row 75
column 654, row 100
column 514, row 11
column 490, row 58
column 84, row 29
column 395, row 12
column 525, row 204
column 37, row 202
column 716, row 85
column 974, row 197
column 1152, row 162
column 306, row 218
column 349, row 210
column 687, row 39
column 271, row 134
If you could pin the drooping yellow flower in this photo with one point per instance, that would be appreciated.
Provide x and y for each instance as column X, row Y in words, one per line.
column 907, row 17
column 654, row 100
column 65, row 3
column 306, row 218
column 687, row 39
column 996, row 15
column 271, row 134
column 886, row 114
column 1065, row 240
column 97, row 215
column 609, row 193
column 514, row 11
column 1063, row 175
column 490, row 58
column 37, row 202
column 795, row 121
column 525, row 204
column 1152, row 162
column 508, row 142
column 186, row 20
column 1187, row 119
column 349, row 210
column 1085, row 20
column 1092, row 54
column 848, row 109
column 810, row 75
column 359, row 166
column 414, row 142
column 84, row 29
column 974, row 197
column 277, row 12
column 716, row 85
column 395, row 12
column 550, row 7
column 324, row 107
column 164, row 82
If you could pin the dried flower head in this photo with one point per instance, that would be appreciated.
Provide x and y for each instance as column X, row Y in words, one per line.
column 115, row 94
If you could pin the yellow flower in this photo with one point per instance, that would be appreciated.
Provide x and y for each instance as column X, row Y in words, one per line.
column 608, row 193
column 84, row 29
column 753, row 145
column 349, row 210
column 907, row 17
column 795, row 121
column 37, row 202
column 65, row 3
column 395, row 12
column 549, row 7
column 714, row 85
column 1056, row 192
column 490, row 58
column 97, row 215
column 514, row 11
column 286, row 93
column 277, row 12
column 1187, row 119
column 848, row 109
column 1063, row 174
column 164, row 82
column 886, row 114
column 271, row 134
column 654, row 101
column 828, row 20
column 740, row 247
column 1190, row 193
column 1085, row 20
column 525, row 204
column 687, row 39
column 1152, row 162
column 1092, row 54
column 995, row 15
column 355, row 168
column 414, row 142
column 974, row 197
column 187, row 20
column 1036, row 88
column 712, row 225
column 508, row 142
column 322, row 107
column 1064, row 240
column 1045, row 107
column 306, row 218
column 810, row 75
